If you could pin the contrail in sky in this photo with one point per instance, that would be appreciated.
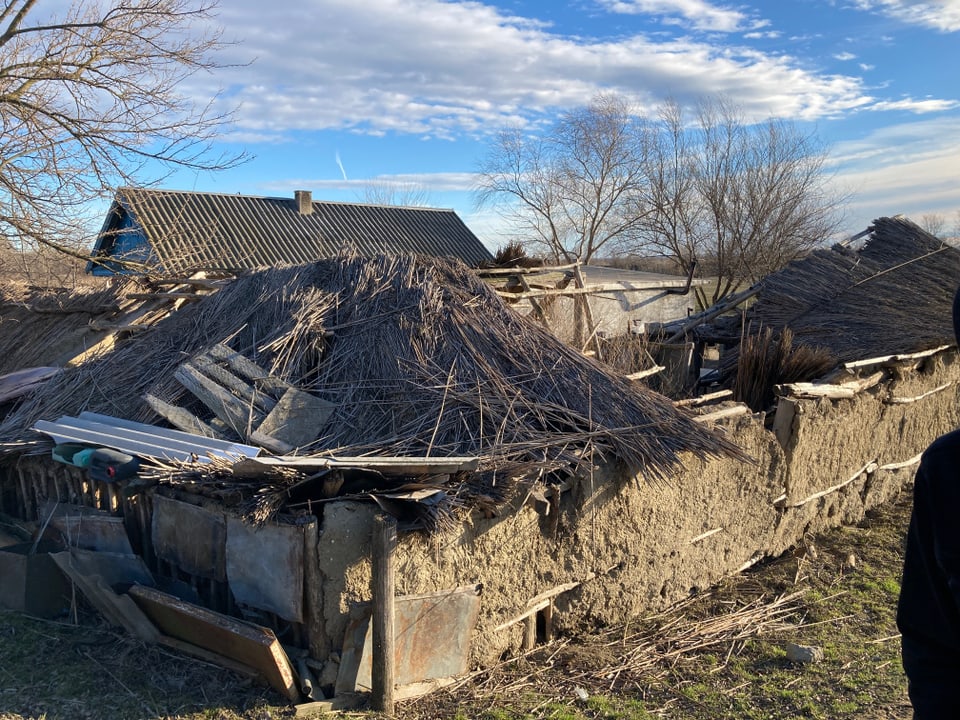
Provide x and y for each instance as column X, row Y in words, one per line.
column 340, row 165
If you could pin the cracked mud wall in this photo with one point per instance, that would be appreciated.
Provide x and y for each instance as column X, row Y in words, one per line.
column 636, row 546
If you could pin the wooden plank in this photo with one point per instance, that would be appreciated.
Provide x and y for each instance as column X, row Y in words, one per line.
column 208, row 656
column 251, row 645
column 21, row 382
column 209, row 367
column 224, row 405
column 195, row 282
column 246, row 367
column 702, row 399
column 118, row 610
column 645, row 373
column 727, row 412
column 166, row 296
column 180, row 418
column 830, row 391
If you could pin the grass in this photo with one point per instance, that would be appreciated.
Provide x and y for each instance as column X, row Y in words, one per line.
column 850, row 578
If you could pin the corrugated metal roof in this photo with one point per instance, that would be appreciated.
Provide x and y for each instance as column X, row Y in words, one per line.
column 141, row 439
column 190, row 230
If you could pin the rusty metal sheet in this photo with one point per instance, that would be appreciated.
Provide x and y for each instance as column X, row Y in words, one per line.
column 192, row 538
column 265, row 567
column 433, row 634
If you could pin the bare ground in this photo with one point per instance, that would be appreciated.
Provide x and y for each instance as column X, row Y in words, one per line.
column 721, row 654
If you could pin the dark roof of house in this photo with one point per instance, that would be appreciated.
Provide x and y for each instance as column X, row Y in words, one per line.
column 194, row 230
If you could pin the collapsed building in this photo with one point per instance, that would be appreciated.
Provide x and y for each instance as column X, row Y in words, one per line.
column 535, row 489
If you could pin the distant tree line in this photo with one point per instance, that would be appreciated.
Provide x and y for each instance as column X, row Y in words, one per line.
column 702, row 185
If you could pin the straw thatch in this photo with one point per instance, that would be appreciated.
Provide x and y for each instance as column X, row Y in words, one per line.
column 418, row 357
column 767, row 359
column 43, row 326
column 892, row 296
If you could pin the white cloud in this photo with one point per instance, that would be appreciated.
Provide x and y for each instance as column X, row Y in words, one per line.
column 443, row 69
column 909, row 168
column 920, row 107
column 942, row 15
column 700, row 14
column 844, row 56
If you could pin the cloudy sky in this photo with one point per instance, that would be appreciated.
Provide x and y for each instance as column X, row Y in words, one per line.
column 334, row 96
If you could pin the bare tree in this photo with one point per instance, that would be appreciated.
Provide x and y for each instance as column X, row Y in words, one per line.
column 933, row 223
column 742, row 200
column 575, row 190
column 400, row 193
column 92, row 99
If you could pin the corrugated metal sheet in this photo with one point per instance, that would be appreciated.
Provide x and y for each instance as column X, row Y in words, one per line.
column 192, row 229
column 140, row 439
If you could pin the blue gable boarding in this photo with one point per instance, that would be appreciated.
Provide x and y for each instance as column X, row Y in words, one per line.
column 121, row 239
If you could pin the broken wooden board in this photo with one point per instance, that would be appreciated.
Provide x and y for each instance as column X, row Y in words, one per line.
column 432, row 640
column 239, row 416
column 180, row 418
column 248, row 644
column 297, row 418
column 244, row 366
column 87, row 570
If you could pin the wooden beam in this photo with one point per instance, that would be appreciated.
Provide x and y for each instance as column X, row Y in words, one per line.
column 709, row 314
column 645, row 373
column 886, row 359
column 833, row 392
column 165, row 296
column 383, row 675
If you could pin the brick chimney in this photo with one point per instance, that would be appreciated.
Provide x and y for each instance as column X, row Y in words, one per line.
column 304, row 200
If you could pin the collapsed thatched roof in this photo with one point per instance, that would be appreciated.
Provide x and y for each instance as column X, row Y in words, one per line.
column 892, row 296
column 418, row 357
column 48, row 326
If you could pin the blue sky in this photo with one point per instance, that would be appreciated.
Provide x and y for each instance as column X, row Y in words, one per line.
column 334, row 96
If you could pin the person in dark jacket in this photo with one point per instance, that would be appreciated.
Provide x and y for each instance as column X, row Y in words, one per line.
column 928, row 613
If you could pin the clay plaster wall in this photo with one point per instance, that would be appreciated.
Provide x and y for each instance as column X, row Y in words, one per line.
column 636, row 546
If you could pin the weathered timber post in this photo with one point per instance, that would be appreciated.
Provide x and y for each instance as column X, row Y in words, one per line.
column 383, row 675
column 317, row 640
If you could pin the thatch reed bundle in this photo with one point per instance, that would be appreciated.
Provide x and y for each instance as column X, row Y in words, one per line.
column 766, row 359
column 418, row 357
column 893, row 296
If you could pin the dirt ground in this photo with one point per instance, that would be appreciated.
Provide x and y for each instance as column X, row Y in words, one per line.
column 720, row 654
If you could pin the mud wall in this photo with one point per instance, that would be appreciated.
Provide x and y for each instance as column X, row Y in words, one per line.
column 623, row 546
